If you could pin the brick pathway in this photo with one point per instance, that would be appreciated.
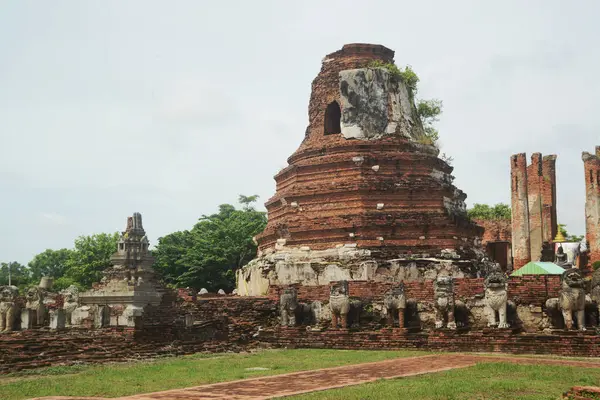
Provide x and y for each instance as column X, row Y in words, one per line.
column 329, row 378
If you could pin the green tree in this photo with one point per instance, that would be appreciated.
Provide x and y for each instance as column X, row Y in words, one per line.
column 90, row 257
column 208, row 255
column 483, row 211
column 570, row 238
column 20, row 275
column 169, row 253
column 429, row 112
column 49, row 263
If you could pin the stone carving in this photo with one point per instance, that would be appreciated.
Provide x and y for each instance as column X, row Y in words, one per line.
column 129, row 285
column 71, row 302
column 8, row 307
column 496, row 297
column 561, row 258
column 572, row 299
column 339, row 303
column 35, row 304
column 288, row 303
column 547, row 252
column 443, row 294
column 395, row 302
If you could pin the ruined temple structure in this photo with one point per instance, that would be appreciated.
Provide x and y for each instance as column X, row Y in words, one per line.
column 592, row 202
column 533, row 202
column 364, row 197
column 497, row 241
column 128, row 286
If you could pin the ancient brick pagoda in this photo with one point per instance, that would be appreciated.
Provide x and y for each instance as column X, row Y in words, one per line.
column 364, row 196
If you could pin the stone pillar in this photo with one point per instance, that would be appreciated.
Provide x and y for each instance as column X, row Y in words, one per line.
column 549, row 219
column 58, row 319
column 102, row 317
column 534, row 202
column 28, row 319
column 520, row 211
column 591, row 164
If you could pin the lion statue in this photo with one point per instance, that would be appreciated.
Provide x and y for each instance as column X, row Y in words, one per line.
column 8, row 307
column 288, row 303
column 571, row 301
column 443, row 295
column 339, row 303
column 71, row 302
column 35, row 302
column 395, row 302
column 496, row 297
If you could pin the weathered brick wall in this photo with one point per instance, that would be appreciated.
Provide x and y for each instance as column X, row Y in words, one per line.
column 42, row 348
column 496, row 230
column 534, row 202
column 521, row 247
column 182, row 324
column 487, row 340
column 533, row 199
column 241, row 316
column 548, row 192
column 532, row 289
column 592, row 202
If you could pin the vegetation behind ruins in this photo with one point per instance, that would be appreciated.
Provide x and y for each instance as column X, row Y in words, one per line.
column 486, row 212
column 205, row 256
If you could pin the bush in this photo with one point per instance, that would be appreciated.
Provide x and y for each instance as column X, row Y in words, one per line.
column 596, row 265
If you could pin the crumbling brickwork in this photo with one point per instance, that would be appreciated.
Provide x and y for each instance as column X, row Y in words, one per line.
column 533, row 200
column 496, row 230
column 520, row 211
column 531, row 289
column 391, row 194
column 487, row 340
column 591, row 164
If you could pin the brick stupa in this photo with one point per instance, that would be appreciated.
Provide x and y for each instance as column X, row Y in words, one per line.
column 364, row 197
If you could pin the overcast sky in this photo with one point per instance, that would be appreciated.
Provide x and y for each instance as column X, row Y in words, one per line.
column 171, row 108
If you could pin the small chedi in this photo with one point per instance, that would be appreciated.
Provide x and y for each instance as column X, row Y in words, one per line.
column 288, row 303
column 395, row 303
column 128, row 286
column 443, row 289
column 366, row 195
column 571, row 301
column 339, row 303
column 8, row 307
column 496, row 297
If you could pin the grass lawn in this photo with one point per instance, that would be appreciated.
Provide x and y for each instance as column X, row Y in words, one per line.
column 483, row 381
column 115, row 380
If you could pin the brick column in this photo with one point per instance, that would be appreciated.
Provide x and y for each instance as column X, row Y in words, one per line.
column 520, row 211
column 534, row 201
column 549, row 219
column 591, row 163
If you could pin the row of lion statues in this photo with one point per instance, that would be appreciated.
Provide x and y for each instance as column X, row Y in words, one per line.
column 570, row 304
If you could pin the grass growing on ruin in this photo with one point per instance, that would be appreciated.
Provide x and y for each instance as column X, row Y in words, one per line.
column 483, row 381
column 141, row 377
